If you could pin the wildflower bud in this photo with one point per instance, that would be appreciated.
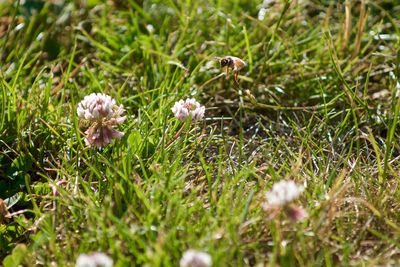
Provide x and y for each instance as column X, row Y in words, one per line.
column 96, row 259
column 103, row 114
column 188, row 108
column 54, row 187
column 280, row 198
column 283, row 193
column 249, row 94
column 193, row 258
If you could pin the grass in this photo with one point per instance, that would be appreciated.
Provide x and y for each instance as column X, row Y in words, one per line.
column 322, row 109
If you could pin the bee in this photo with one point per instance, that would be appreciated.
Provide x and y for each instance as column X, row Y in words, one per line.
column 233, row 63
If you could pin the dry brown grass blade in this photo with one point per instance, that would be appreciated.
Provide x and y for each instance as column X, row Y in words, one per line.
column 211, row 80
column 71, row 75
column 4, row 214
column 328, row 15
column 347, row 24
column 360, row 28
column 176, row 136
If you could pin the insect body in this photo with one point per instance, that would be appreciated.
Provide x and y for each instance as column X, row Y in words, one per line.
column 233, row 63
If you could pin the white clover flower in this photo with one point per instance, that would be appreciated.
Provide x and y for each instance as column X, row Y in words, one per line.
column 190, row 107
column 95, row 107
column 193, row 258
column 103, row 113
column 283, row 193
column 96, row 259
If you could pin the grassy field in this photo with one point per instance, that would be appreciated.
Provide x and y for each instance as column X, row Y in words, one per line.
column 318, row 103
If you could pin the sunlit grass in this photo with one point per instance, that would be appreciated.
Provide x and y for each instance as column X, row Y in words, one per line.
column 317, row 104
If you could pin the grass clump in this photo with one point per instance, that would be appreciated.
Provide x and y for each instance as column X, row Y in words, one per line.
column 317, row 104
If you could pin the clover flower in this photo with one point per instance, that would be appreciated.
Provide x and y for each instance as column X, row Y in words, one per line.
column 296, row 213
column 54, row 187
column 188, row 108
column 103, row 114
column 280, row 198
column 283, row 193
column 193, row 258
column 96, row 259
